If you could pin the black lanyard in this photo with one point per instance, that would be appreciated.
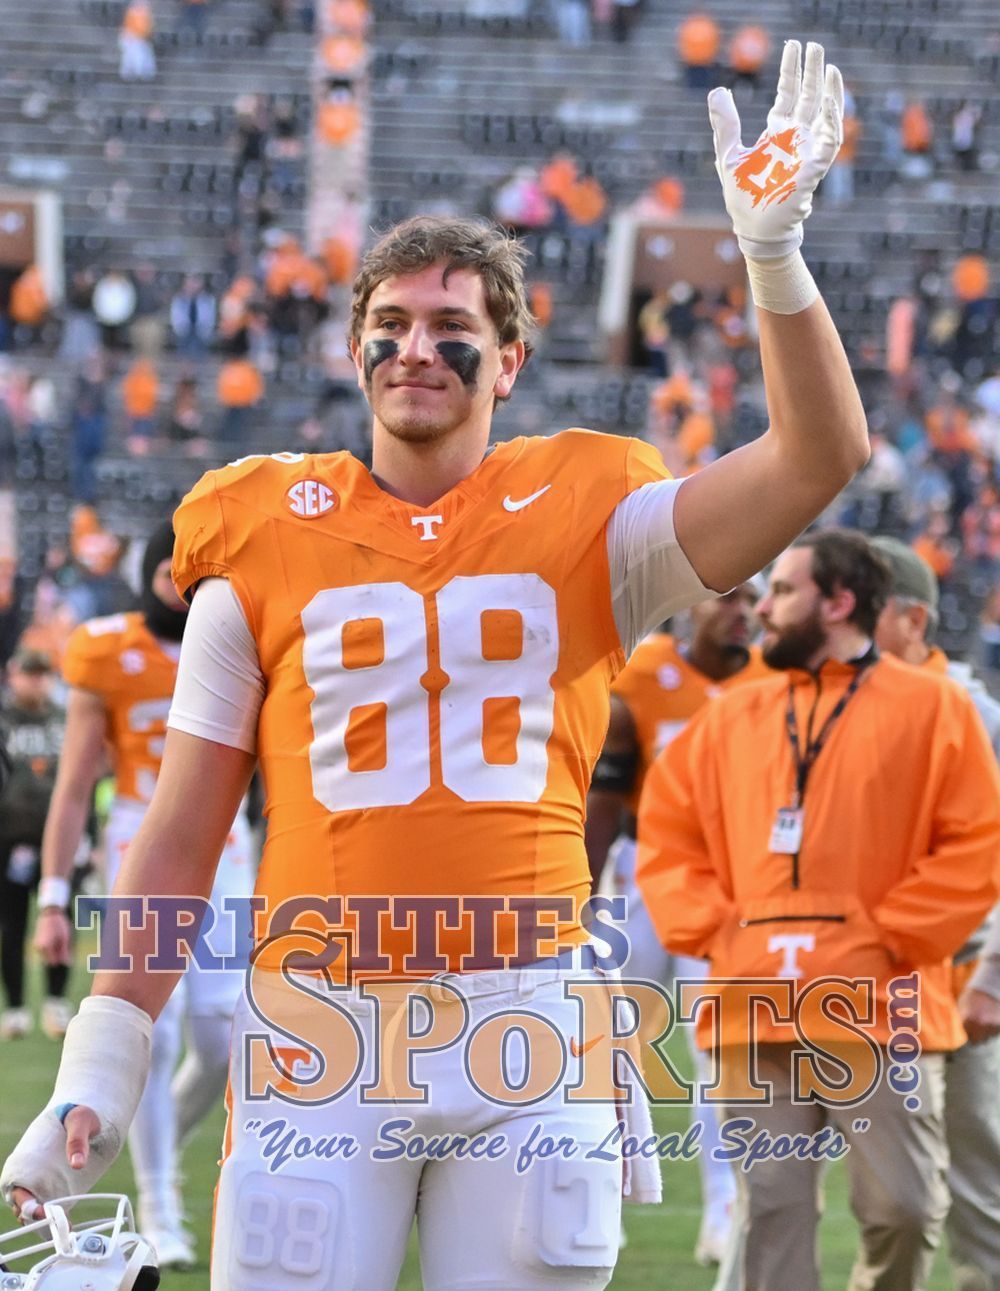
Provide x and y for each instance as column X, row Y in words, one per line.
column 804, row 762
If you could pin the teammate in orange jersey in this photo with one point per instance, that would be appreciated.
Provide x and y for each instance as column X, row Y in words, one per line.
column 121, row 672
column 420, row 655
column 661, row 688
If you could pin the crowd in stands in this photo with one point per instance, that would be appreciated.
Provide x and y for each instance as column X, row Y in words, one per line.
column 177, row 363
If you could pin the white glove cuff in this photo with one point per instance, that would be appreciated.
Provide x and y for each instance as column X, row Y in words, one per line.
column 53, row 891
column 105, row 1062
column 782, row 286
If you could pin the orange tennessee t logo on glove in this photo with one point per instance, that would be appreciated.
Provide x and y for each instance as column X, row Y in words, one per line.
column 768, row 173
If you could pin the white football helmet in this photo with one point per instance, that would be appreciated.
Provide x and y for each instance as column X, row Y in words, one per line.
column 104, row 1254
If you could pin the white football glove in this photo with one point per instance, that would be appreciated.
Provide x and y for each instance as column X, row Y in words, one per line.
column 104, row 1066
column 769, row 188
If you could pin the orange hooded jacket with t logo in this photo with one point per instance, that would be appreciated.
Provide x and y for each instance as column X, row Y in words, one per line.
column 898, row 860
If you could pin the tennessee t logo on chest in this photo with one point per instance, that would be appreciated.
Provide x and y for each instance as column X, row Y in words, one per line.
column 428, row 533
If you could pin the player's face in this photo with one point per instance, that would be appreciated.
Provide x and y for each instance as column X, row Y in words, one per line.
column 791, row 612
column 729, row 621
column 163, row 587
column 428, row 358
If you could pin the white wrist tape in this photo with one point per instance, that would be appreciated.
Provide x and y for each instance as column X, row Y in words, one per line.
column 53, row 890
column 105, row 1062
column 782, row 286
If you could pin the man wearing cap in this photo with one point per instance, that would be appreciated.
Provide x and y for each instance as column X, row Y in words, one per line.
column 972, row 1074
column 34, row 731
column 835, row 821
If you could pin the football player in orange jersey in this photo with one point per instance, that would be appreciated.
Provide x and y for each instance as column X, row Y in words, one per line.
column 420, row 655
column 121, row 672
column 661, row 688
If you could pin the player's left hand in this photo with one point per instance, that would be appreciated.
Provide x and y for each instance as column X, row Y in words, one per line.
column 980, row 1015
column 769, row 188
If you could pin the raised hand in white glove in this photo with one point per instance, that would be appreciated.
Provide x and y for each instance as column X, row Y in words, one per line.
column 769, row 188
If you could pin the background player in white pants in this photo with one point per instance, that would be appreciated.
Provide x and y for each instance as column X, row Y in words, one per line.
column 661, row 688
column 122, row 672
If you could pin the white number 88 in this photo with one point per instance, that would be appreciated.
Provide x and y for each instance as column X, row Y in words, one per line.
column 396, row 683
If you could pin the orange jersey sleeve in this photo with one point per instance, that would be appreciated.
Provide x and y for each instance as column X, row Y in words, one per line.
column 118, row 659
column 436, row 677
column 663, row 691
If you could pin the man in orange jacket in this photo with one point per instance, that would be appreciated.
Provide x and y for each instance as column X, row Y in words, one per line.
column 972, row 1085
column 837, row 821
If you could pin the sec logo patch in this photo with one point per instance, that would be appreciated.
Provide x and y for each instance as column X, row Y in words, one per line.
column 310, row 498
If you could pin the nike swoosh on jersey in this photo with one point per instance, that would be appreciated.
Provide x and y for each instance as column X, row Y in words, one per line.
column 510, row 505
column 578, row 1050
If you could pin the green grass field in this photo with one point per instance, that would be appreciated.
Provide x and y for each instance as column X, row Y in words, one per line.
column 660, row 1239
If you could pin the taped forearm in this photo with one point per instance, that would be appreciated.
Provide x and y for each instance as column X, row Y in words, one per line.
column 783, row 285
column 105, row 1062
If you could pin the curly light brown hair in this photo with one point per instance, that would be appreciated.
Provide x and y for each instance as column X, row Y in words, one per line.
column 477, row 245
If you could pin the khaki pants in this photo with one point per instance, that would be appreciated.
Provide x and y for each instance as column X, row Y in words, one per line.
column 972, row 1120
column 898, row 1188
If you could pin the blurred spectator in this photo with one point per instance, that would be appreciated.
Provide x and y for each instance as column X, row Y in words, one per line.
column 683, row 320
column 42, row 410
column 964, row 128
column 890, row 125
column 186, row 421
column 12, row 591
column 917, row 136
column 88, row 427
column 113, row 303
column 193, row 16
column 35, row 726
column 901, row 332
column 240, row 387
column 29, row 302
column 654, row 333
column 662, row 200
column 541, row 304
column 876, row 490
column 340, row 257
column 519, row 202
column 192, row 317
column 81, row 335
column 585, row 203
column 623, row 15
column 135, row 43
column 296, row 289
column 934, row 545
column 147, row 331
column 698, row 40
column 344, row 56
column 339, row 116
column 730, row 319
column 234, row 308
column 989, row 629
column 838, row 187
column 284, row 150
column 981, row 529
column 251, row 134
column 90, row 583
column 348, row 17
column 140, row 396
column 749, row 50
column 970, row 278
column 573, row 22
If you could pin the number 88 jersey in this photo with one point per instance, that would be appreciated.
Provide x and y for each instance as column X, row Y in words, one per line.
column 436, row 677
